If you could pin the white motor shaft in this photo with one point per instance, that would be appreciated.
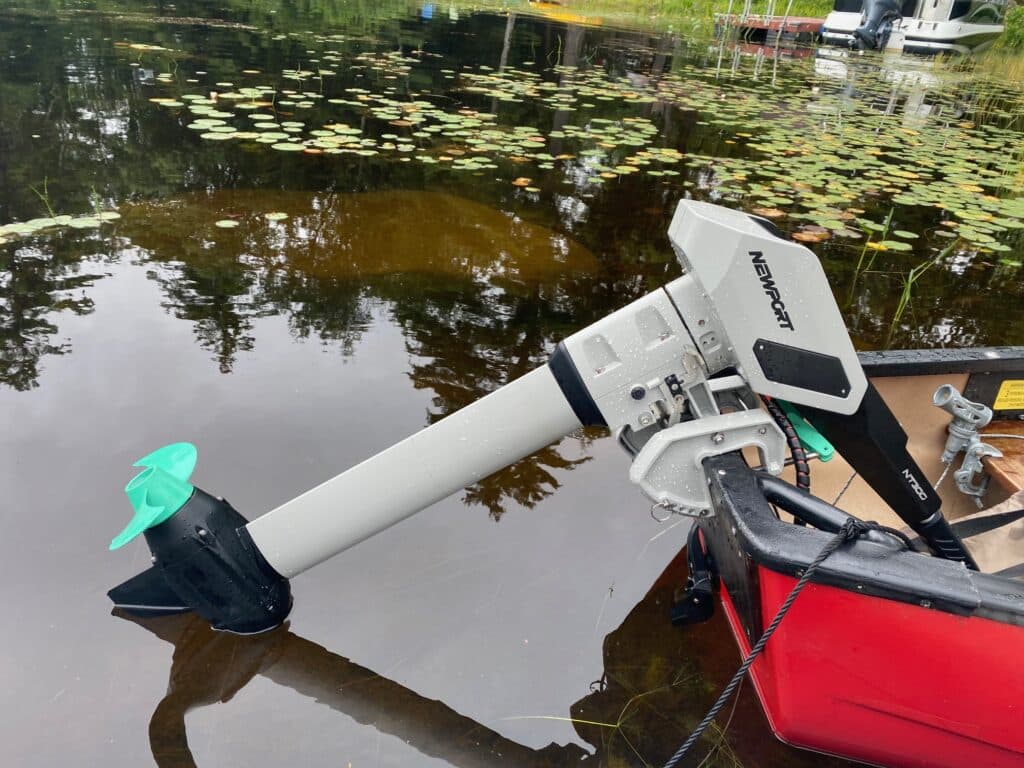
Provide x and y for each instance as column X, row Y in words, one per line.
column 470, row 444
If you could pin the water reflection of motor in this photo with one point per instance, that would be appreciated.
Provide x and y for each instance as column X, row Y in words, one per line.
column 654, row 687
column 876, row 24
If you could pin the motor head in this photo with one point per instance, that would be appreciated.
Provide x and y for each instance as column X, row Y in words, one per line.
column 762, row 304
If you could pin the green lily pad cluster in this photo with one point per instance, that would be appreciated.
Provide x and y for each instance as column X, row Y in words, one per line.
column 827, row 156
column 19, row 229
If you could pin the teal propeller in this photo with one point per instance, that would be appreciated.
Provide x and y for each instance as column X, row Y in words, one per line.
column 159, row 490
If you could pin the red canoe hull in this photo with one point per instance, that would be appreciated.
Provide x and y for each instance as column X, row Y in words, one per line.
column 886, row 682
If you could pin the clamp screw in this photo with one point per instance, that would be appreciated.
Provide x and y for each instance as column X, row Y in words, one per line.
column 637, row 392
column 717, row 438
column 646, row 419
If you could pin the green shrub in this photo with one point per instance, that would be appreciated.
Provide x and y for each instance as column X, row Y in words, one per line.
column 1013, row 37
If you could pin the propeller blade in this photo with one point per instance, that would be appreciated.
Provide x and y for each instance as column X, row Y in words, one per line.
column 159, row 490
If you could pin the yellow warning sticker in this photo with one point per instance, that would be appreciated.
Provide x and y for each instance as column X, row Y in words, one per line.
column 1011, row 396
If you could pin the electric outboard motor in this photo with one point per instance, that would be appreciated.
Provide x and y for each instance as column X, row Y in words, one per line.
column 876, row 24
column 752, row 315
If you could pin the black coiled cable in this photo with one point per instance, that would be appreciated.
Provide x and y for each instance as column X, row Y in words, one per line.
column 796, row 449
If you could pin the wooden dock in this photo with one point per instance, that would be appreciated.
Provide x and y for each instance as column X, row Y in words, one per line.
column 764, row 28
column 793, row 25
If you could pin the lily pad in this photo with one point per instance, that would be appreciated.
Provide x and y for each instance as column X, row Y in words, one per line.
column 84, row 222
column 896, row 245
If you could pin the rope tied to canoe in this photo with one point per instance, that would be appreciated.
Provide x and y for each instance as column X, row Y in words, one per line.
column 851, row 530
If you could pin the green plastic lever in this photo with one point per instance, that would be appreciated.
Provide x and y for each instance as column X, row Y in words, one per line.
column 159, row 490
column 810, row 438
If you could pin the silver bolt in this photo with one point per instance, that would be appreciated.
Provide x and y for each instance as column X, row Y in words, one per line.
column 717, row 438
column 645, row 419
column 202, row 532
column 763, row 431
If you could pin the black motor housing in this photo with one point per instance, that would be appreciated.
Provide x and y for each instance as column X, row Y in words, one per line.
column 876, row 24
column 205, row 561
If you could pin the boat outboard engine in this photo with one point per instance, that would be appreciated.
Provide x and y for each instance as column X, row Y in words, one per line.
column 876, row 24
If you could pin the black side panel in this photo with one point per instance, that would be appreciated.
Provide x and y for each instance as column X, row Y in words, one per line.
column 801, row 368
column 873, row 442
column 575, row 391
column 736, row 570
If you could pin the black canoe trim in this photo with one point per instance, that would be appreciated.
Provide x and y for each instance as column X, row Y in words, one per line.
column 744, row 532
column 928, row 362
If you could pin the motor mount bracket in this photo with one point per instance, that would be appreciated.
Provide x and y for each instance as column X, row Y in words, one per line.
column 669, row 471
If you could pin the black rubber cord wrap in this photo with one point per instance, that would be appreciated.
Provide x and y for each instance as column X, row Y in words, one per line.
column 796, row 449
column 851, row 530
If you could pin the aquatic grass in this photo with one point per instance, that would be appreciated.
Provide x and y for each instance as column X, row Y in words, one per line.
column 44, row 197
column 883, row 231
column 909, row 280
column 719, row 749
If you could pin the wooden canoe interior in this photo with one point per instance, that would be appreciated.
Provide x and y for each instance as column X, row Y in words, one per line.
column 910, row 398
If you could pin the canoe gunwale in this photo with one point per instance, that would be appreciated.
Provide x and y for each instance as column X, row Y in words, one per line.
column 929, row 362
column 745, row 533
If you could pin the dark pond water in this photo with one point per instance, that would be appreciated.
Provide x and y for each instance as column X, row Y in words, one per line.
column 462, row 190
